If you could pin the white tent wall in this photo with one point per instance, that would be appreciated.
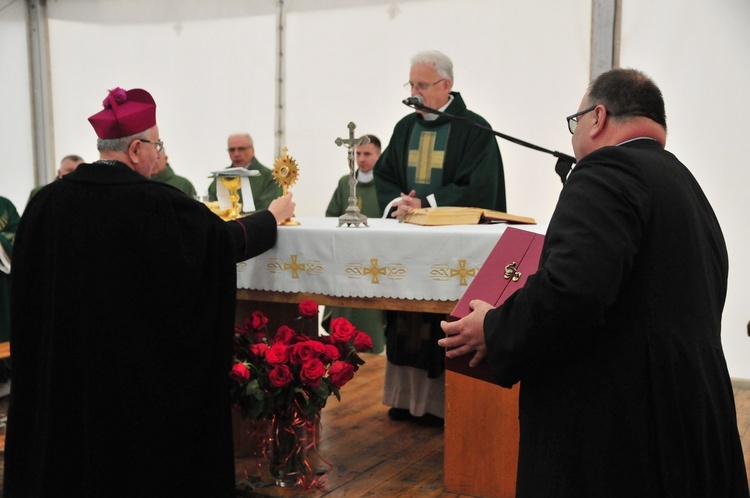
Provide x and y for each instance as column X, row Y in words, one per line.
column 209, row 79
column 698, row 53
column 350, row 64
column 522, row 65
column 17, row 165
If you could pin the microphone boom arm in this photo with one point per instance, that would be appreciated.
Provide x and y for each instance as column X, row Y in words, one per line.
column 564, row 161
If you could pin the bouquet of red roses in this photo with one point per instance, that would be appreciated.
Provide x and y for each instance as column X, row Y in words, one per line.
column 286, row 379
column 272, row 372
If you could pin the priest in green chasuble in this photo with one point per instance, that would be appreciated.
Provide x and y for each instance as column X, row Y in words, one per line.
column 9, row 219
column 457, row 164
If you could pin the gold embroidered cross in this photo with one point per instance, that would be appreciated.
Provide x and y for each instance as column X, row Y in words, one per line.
column 374, row 270
column 463, row 272
column 294, row 266
column 426, row 158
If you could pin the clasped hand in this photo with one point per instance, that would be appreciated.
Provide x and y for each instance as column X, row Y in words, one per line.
column 467, row 334
column 406, row 203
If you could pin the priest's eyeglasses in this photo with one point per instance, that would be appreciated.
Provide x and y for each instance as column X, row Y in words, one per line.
column 159, row 145
column 573, row 119
column 421, row 86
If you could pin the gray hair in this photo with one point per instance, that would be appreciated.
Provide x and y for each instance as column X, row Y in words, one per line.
column 73, row 157
column 246, row 135
column 438, row 60
column 119, row 144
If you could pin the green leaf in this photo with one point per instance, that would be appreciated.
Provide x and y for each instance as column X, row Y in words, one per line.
column 253, row 390
column 255, row 409
column 336, row 392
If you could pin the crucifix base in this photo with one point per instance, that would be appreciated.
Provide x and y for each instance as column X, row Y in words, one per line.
column 353, row 217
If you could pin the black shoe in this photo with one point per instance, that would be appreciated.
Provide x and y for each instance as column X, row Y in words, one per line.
column 430, row 420
column 400, row 414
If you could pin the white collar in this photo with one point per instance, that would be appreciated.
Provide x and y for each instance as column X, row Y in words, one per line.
column 634, row 139
column 363, row 177
column 433, row 117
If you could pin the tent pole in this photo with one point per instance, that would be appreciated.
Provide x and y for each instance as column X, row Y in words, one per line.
column 605, row 36
column 280, row 138
column 41, row 92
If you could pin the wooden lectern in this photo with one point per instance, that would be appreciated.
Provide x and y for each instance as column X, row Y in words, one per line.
column 481, row 418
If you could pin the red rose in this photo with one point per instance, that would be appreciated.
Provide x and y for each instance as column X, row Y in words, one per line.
column 304, row 351
column 259, row 349
column 240, row 373
column 256, row 321
column 331, row 352
column 240, row 331
column 312, row 372
column 342, row 330
column 340, row 373
column 362, row 342
column 284, row 335
column 277, row 354
column 280, row 376
column 308, row 308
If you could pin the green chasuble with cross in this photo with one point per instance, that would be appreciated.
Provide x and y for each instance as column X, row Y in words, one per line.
column 458, row 163
column 461, row 166
column 424, row 168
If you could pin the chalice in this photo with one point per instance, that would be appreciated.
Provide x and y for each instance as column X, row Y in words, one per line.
column 232, row 183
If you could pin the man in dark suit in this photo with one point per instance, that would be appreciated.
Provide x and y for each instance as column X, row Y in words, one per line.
column 616, row 338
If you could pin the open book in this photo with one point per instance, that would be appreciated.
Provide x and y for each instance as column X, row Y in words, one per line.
column 461, row 216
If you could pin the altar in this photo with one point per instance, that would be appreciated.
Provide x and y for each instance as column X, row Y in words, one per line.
column 388, row 265
column 397, row 266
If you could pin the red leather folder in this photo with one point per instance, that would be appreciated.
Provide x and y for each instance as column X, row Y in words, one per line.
column 512, row 260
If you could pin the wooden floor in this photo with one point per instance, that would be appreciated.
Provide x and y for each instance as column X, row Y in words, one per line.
column 372, row 456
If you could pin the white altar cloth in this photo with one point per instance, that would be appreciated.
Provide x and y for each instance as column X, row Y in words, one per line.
column 388, row 259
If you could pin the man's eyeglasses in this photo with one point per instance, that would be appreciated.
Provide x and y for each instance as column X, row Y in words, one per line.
column 573, row 119
column 159, row 145
column 421, row 86
column 232, row 150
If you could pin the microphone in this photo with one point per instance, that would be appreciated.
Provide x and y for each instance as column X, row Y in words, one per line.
column 416, row 100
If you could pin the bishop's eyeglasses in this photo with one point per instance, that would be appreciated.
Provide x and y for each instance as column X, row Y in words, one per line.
column 159, row 145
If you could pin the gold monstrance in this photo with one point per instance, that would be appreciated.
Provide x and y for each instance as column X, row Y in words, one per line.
column 285, row 173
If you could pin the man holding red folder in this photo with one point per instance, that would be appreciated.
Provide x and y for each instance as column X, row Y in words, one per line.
column 616, row 339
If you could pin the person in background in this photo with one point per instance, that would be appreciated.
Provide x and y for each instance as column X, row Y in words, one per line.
column 67, row 165
column 122, row 316
column 372, row 322
column 263, row 187
column 163, row 173
column 616, row 339
column 458, row 164
column 8, row 225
